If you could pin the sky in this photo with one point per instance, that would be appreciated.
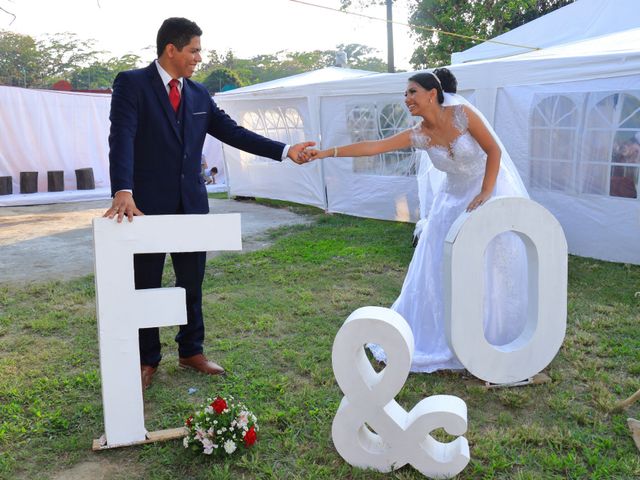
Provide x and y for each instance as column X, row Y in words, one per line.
column 248, row 27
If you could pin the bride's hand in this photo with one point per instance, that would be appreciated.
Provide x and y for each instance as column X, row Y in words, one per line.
column 312, row 154
column 478, row 200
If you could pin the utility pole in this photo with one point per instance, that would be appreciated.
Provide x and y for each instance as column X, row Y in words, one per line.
column 390, row 65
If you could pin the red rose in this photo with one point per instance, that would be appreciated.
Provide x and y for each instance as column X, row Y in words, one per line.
column 250, row 437
column 219, row 405
column 189, row 420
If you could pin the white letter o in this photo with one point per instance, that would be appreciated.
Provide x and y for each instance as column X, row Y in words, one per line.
column 464, row 265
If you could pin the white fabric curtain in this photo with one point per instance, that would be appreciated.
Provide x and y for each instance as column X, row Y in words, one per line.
column 285, row 120
column 577, row 189
column 45, row 130
column 365, row 187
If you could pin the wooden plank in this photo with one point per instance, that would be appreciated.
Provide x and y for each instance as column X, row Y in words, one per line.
column 157, row 436
column 537, row 379
column 634, row 425
column 625, row 403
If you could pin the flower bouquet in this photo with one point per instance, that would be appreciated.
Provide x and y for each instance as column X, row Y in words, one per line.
column 221, row 427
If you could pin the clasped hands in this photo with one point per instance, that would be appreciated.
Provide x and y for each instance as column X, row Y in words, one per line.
column 301, row 153
column 306, row 154
column 124, row 205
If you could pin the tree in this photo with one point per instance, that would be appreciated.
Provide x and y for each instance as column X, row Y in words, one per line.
column 266, row 67
column 483, row 19
column 19, row 59
column 220, row 79
column 64, row 53
column 478, row 18
column 363, row 57
column 26, row 62
column 100, row 75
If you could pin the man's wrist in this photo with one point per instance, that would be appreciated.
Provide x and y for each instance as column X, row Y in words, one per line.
column 285, row 152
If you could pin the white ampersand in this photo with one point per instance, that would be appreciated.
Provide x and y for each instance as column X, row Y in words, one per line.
column 370, row 429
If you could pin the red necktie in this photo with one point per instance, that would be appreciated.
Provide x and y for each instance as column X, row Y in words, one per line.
column 174, row 94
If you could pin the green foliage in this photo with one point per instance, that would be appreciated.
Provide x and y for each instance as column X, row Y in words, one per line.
column 29, row 63
column 266, row 67
column 221, row 79
column 271, row 317
column 478, row 18
column 20, row 60
column 100, row 75
column 363, row 57
column 63, row 53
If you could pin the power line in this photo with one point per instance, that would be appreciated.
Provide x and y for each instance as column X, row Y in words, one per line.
column 421, row 27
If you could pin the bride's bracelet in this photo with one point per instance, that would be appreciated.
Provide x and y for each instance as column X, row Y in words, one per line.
column 335, row 152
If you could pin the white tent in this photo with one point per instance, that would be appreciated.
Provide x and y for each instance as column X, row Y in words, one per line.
column 564, row 113
column 43, row 130
column 286, row 110
column 577, row 21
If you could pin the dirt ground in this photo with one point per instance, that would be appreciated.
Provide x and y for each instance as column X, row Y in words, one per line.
column 44, row 242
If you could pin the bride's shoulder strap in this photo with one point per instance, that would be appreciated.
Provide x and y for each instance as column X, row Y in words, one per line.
column 460, row 118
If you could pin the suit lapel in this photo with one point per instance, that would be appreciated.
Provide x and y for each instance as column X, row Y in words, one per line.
column 187, row 106
column 161, row 92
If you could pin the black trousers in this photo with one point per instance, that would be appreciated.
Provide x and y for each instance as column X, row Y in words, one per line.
column 189, row 269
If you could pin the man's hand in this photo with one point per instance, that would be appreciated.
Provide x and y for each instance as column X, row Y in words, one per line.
column 297, row 149
column 123, row 204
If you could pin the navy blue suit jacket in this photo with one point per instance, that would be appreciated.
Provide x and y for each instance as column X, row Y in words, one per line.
column 156, row 153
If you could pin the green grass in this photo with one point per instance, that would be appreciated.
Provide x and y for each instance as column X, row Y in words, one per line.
column 219, row 195
column 271, row 319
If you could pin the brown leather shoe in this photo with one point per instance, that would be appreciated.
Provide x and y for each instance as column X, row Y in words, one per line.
column 146, row 372
column 200, row 363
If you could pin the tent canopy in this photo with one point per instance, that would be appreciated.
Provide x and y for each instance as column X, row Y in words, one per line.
column 323, row 75
column 577, row 21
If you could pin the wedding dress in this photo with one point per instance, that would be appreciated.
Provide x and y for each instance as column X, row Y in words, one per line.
column 421, row 299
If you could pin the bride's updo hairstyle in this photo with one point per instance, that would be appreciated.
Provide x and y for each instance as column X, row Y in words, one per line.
column 441, row 79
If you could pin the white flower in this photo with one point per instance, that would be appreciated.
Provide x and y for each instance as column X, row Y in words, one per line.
column 243, row 419
column 229, row 447
column 185, row 442
column 208, row 410
column 208, row 446
column 200, row 435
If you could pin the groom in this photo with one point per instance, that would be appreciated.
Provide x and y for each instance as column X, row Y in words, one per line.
column 159, row 120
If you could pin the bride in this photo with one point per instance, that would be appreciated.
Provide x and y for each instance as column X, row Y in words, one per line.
column 459, row 142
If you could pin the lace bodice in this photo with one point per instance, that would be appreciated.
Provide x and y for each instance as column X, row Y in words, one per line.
column 462, row 156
